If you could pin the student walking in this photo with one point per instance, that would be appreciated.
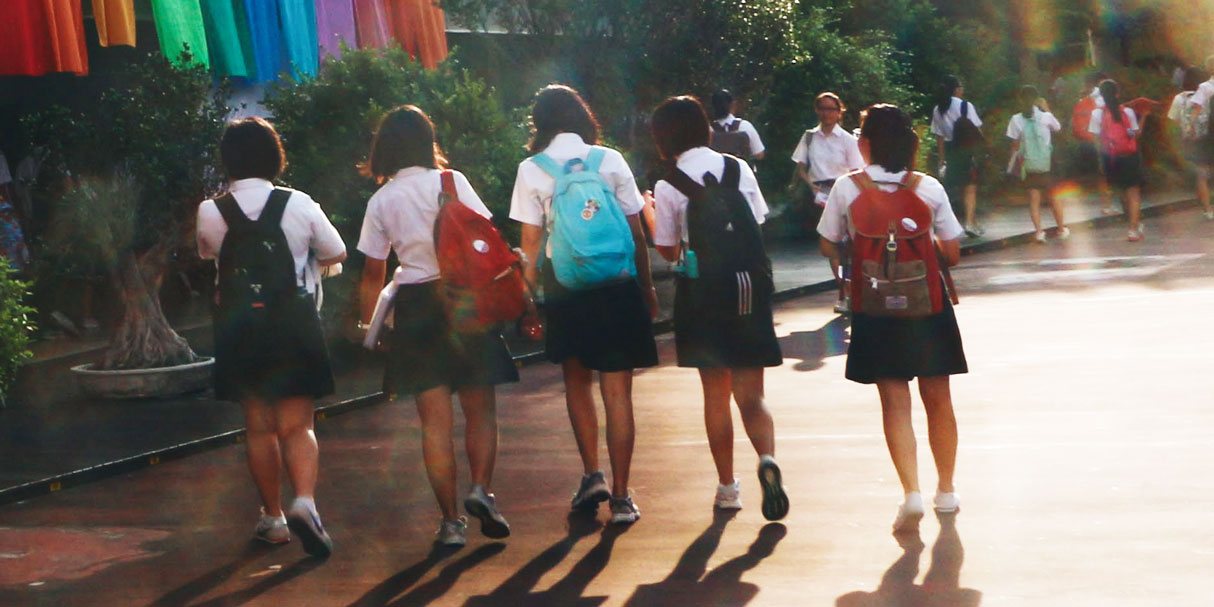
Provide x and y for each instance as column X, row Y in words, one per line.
column 1191, row 110
column 730, row 134
column 578, row 198
column 956, row 124
column 1089, row 147
column 903, row 330
column 709, row 208
column 270, row 352
column 429, row 358
column 824, row 154
column 1032, row 150
column 1116, row 128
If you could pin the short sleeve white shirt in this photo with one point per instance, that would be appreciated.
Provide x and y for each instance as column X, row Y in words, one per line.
column 834, row 225
column 942, row 126
column 744, row 126
column 828, row 156
column 533, row 185
column 1204, row 92
column 1046, row 125
column 308, row 230
column 1098, row 116
column 400, row 217
column 671, row 205
column 1180, row 106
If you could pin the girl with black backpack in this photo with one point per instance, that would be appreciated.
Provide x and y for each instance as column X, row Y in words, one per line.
column 885, row 349
column 733, row 135
column 709, row 208
column 270, row 352
column 428, row 358
column 1116, row 128
column 606, row 326
column 1189, row 111
column 956, row 124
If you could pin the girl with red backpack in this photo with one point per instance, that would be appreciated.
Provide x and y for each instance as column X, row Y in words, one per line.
column 603, row 325
column 709, row 208
column 889, row 348
column 1116, row 128
column 428, row 357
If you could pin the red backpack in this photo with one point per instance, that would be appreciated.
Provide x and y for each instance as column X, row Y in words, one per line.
column 1115, row 136
column 481, row 272
column 896, row 270
column 1081, row 118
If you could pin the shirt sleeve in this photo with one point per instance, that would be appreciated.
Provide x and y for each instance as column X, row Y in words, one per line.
column 525, row 203
column 1094, row 121
column 1133, row 118
column 1177, row 108
column 1051, row 122
column 623, row 183
column 326, row 240
column 833, row 224
column 668, row 225
column 468, row 196
column 945, row 224
column 373, row 241
column 801, row 153
column 756, row 143
column 209, row 230
column 973, row 113
column 937, row 123
column 1202, row 96
column 1015, row 126
column 749, row 186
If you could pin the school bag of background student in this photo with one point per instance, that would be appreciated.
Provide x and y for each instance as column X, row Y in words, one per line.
column 588, row 237
column 729, row 271
column 481, row 275
column 896, row 269
column 1115, row 136
column 1035, row 149
column 727, row 139
column 966, row 135
column 1081, row 118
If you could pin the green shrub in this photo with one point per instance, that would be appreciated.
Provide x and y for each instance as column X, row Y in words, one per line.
column 15, row 328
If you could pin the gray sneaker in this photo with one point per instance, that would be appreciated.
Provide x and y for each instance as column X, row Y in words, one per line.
column 453, row 532
column 305, row 522
column 272, row 529
column 592, row 491
column 483, row 506
column 624, row 511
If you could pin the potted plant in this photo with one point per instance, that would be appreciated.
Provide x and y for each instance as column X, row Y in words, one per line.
column 132, row 168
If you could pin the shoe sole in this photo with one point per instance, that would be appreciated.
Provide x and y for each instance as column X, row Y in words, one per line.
column 272, row 542
column 909, row 522
column 315, row 541
column 775, row 501
column 491, row 527
column 591, row 502
column 624, row 519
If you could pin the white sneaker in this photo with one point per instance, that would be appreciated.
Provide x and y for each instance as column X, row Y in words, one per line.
column 1064, row 233
column 1209, row 215
column 947, row 502
column 909, row 513
column 272, row 529
column 453, row 532
column 623, row 510
column 1039, row 236
column 303, row 520
column 729, row 497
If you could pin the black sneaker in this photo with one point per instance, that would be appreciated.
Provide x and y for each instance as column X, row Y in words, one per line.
column 305, row 523
column 591, row 493
column 775, row 502
column 483, row 506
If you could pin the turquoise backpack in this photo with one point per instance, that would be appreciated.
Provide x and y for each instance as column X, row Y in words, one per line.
column 1036, row 149
column 588, row 235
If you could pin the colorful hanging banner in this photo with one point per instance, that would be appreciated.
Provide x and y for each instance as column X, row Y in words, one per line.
column 298, row 19
column 180, row 27
column 223, row 28
column 42, row 37
column 371, row 19
column 265, row 38
column 335, row 24
column 420, row 28
column 115, row 22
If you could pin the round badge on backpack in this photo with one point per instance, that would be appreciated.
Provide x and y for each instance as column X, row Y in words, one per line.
column 480, row 246
column 590, row 209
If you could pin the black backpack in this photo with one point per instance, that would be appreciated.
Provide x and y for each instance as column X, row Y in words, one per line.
column 727, row 139
column 256, row 283
column 966, row 135
column 733, row 269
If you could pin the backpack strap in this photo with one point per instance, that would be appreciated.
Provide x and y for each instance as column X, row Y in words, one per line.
column 964, row 109
column 732, row 175
column 863, row 181
column 734, row 126
column 595, row 158
column 549, row 165
column 276, row 205
column 717, row 126
column 684, row 184
column 911, row 180
column 448, row 179
column 230, row 210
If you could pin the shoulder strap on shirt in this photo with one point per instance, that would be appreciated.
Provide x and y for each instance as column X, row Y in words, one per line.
column 732, row 174
column 449, row 194
column 717, row 126
column 911, row 180
column 548, row 165
column 595, row 158
column 684, row 184
column 276, row 205
column 230, row 210
column 964, row 104
column 735, row 125
column 862, row 180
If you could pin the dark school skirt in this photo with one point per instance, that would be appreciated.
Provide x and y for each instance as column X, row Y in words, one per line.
column 961, row 169
column 1123, row 172
column 895, row 348
column 424, row 352
column 716, row 341
column 607, row 328
column 1037, row 181
column 284, row 357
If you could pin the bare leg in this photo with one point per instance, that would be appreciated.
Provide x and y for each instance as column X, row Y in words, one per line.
column 971, row 204
column 297, row 439
column 1056, row 207
column 718, row 422
column 262, row 453
column 941, row 427
column 1133, row 203
column 480, row 431
column 438, row 448
column 756, row 418
column 579, row 401
column 1035, row 208
column 899, row 435
column 1203, row 188
column 616, row 387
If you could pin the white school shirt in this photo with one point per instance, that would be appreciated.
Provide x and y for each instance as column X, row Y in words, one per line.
column 1098, row 115
column 1047, row 124
column 307, row 228
column 400, row 217
column 942, row 126
column 744, row 126
column 1204, row 92
column 533, row 186
column 671, row 205
column 828, row 156
column 834, row 224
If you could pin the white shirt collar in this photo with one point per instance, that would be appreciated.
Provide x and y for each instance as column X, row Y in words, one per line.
column 838, row 131
column 251, row 183
column 410, row 171
column 879, row 174
column 693, row 155
column 564, row 141
column 726, row 120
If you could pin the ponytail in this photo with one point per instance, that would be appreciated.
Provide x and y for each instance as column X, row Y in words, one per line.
column 944, row 97
column 1108, row 92
column 1028, row 96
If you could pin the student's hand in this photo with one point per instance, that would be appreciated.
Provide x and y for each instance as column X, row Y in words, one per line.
column 651, row 300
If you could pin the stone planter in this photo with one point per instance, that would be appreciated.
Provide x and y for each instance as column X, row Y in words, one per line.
column 159, row 382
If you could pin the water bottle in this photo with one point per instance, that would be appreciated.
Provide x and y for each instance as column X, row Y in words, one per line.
column 691, row 265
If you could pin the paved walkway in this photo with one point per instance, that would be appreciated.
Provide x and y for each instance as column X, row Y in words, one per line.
column 53, row 445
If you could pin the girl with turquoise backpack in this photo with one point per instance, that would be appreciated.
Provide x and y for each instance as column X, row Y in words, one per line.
column 1032, row 150
column 580, row 211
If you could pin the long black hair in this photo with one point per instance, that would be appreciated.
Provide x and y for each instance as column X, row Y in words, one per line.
column 560, row 109
column 944, row 97
column 1112, row 103
column 1028, row 97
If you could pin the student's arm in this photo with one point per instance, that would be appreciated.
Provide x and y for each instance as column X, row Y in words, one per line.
column 644, row 271
column 531, row 236
column 950, row 250
column 829, row 249
column 803, row 172
column 374, row 272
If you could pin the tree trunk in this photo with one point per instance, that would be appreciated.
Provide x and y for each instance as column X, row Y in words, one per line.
column 144, row 339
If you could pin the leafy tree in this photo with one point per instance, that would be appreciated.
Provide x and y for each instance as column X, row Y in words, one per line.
column 15, row 328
